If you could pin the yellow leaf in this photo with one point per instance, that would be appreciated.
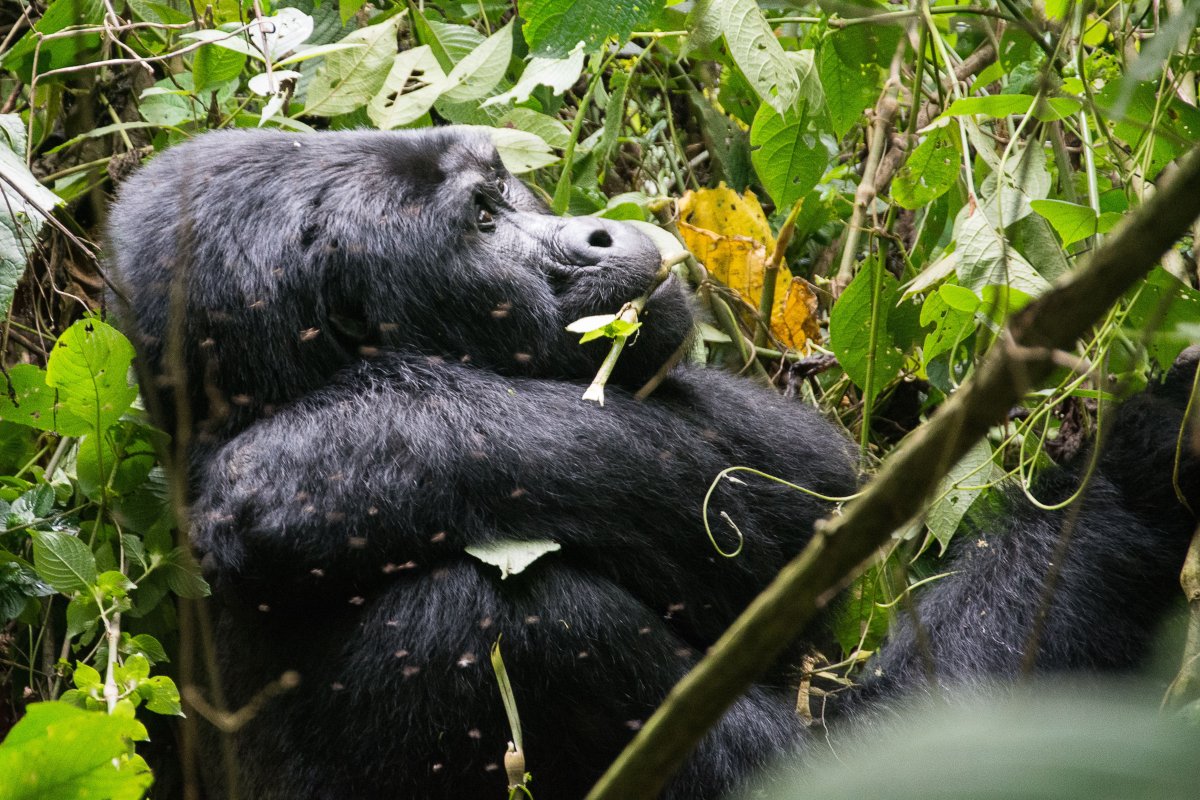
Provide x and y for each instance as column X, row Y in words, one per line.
column 794, row 318
column 729, row 234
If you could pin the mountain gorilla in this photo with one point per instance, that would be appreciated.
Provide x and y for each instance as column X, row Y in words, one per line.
column 363, row 336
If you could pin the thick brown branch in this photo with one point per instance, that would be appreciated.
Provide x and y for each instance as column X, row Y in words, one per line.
column 841, row 545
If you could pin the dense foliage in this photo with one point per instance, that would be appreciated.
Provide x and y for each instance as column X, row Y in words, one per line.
column 869, row 190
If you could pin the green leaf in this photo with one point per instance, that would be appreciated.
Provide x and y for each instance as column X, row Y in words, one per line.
column 63, row 561
column 59, row 751
column 521, row 151
column 166, row 105
column 850, row 330
column 961, row 487
column 951, row 310
column 548, row 128
column 986, row 259
column 348, row 79
column 307, row 52
column 348, row 8
column 23, row 212
column 215, row 65
column 161, row 695
column 183, row 575
column 86, row 677
column 31, row 505
column 145, row 644
column 559, row 74
column 82, row 616
column 929, row 172
column 1071, row 222
column 554, row 27
column 31, row 402
column 412, row 86
column 114, row 584
column 18, row 585
column 788, row 158
column 450, row 43
column 752, row 45
column 481, row 69
column 1027, row 179
column 997, row 105
column 67, row 51
column 1004, row 105
column 1034, row 238
column 89, row 366
column 135, row 669
column 850, row 79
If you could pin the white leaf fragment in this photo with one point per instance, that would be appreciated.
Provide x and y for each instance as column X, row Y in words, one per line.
column 512, row 556
column 593, row 323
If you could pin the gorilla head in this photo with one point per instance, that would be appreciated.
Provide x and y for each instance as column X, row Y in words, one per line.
column 318, row 251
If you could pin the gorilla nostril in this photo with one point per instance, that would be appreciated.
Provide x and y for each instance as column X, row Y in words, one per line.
column 599, row 238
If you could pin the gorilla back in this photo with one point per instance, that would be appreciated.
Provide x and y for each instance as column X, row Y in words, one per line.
column 363, row 336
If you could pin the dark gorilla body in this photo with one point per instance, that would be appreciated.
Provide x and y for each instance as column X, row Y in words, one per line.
column 377, row 374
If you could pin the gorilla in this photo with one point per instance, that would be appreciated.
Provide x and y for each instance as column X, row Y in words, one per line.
column 360, row 339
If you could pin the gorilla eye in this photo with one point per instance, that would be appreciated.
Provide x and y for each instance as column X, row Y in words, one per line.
column 485, row 220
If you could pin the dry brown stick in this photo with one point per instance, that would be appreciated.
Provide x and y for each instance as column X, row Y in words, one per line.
column 900, row 148
column 864, row 196
column 842, row 545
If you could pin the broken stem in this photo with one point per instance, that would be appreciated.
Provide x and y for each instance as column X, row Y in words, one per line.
column 629, row 313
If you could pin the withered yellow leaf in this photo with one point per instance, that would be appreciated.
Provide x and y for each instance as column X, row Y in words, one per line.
column 794, row 318
column 729, row 234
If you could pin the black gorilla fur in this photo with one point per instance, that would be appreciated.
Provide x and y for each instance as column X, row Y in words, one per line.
column 371, row 361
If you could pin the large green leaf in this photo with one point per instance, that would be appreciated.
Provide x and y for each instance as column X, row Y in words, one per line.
column 752, row 44
column 850, row 330
column 183, row 574
column 481, row 69
column 450, row 43
column 23, row 212
column 411, row 88
column 850, row 78
column 37, row 405
column 559, row 74
column 1071, row 222
column 961, row 487
column 521, row 151
column 60, row 752
column 63, row 561
column 951, row 311
column 554, row 27
column 1004, row 105
column 929, row 172
column 986, row 259
column 788, row 158
column 215, row 65
column 1026, row 179
column 348, row 79
column 89, row 366
column 67, row 51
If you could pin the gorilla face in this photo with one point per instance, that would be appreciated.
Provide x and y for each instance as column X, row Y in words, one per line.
column 496, row 279
column 298, row 255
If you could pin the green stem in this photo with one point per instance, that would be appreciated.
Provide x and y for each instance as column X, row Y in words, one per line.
column 562, row 192
column 766, row 303
column 864, row 436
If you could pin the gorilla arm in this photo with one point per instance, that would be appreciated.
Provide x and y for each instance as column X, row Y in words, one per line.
column 406, row 461
column 1085, row 585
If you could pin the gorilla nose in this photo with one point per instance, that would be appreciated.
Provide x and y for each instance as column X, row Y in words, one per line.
column 591, row 240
